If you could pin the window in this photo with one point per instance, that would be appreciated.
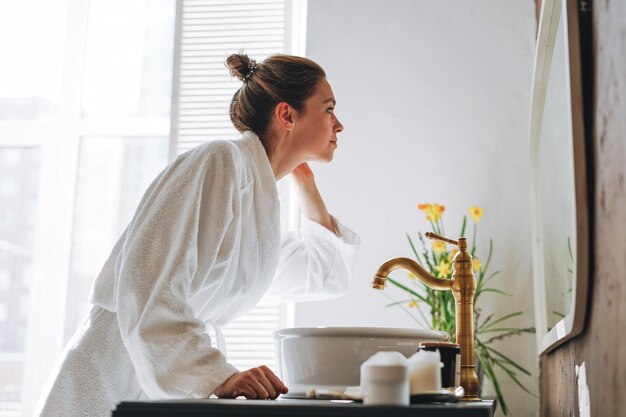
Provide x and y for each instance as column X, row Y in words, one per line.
column 104, row 205
column 207, row 32
column 94, row 96
column 19, row 170
column 29, row 108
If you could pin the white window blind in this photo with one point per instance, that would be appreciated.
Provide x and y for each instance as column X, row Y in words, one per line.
column 207, row 32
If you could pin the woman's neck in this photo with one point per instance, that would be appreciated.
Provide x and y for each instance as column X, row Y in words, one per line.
column 281, row 153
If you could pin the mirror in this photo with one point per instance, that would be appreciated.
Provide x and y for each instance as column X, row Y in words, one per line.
column 558, row 178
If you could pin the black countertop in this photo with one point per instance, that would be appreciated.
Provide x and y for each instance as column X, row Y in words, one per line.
column 296, row 407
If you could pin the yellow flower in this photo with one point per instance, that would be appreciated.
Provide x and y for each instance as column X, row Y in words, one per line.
column 443, row 269
column 476, row 213
column 451, row 254
column 476, row 264
column 439, row 246
column 411, row 275
column 433, row 211
column 412, row 304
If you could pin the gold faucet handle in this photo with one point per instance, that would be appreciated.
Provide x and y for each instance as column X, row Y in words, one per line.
column 461, row 243
column 431, row 235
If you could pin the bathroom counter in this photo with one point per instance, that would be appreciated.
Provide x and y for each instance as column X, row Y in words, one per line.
column 294, row 407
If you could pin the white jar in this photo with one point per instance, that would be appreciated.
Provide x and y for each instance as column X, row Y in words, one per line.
column 385, row 384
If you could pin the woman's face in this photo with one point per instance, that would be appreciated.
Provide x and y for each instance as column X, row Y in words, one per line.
column 316, row 127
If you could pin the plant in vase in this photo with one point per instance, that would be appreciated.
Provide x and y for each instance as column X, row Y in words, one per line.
column 437, row 259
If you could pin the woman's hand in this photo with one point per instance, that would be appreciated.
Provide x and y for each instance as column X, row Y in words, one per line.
column 311, row 202
column 302, row 174
column 255, row 383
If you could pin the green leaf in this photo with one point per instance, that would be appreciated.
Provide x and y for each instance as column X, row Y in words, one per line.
column 424, row 325
column 407, row 289
column 414, row 250
column 496, row 291
column 489, row 317
column 481, row 278
column 493, row 274
column 569, row 248
column 395, row 303
column 499, row 329
column 489, row 255
column 513, row 376
column 501, row 319
column 485, row 362
column 508, row 360
column 463, row 226
column 501, row 336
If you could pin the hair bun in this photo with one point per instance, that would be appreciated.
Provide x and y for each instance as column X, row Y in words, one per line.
column 241, row 66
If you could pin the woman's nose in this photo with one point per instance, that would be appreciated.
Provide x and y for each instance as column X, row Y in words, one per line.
column 338, row 125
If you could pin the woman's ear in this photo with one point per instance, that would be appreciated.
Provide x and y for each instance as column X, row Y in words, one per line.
column 285, row 115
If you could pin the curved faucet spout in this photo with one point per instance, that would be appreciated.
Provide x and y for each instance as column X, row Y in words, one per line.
column 463, row 287
column 380, row 279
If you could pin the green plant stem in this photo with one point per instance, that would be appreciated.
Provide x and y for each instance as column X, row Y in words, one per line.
column 474, row 240
column 414, row 250
column 462, row 234
column 433, row 226
column 425, row 254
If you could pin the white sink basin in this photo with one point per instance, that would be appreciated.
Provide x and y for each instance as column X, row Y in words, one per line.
column 331, row 357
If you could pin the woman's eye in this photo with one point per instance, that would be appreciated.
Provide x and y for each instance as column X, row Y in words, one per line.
column 330, row 109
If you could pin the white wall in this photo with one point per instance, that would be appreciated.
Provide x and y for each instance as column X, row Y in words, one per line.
column 435, row 99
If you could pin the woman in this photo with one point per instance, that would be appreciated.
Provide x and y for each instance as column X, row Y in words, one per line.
column 205, row 245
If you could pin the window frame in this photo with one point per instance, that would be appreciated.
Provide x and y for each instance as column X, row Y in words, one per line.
column 59, row 140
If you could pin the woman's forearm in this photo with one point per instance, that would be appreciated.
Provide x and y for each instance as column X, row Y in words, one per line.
column 312, row 205
column 311, row 202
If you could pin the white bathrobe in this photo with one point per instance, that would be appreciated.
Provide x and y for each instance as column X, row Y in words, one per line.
column 202, row 248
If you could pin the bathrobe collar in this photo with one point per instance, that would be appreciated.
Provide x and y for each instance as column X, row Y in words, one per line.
column 256, row 151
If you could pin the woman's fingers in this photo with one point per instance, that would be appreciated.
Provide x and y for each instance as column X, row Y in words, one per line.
column 274, row 380
column 255, row 383
column 258, row 390
column 303, row 173
column 263, row 377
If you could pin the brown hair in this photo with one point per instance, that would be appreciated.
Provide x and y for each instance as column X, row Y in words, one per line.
column 278, row 78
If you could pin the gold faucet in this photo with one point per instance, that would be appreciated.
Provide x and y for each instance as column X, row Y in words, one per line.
column 463, row 286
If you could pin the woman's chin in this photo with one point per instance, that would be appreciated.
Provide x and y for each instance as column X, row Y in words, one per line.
column 326, row 157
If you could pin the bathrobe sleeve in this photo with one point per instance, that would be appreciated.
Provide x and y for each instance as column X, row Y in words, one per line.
column 179, row 235
column 317, row 264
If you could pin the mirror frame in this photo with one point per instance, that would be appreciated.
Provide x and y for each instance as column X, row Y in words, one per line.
column 573, row 323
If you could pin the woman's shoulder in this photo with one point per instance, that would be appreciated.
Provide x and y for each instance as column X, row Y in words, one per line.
column 215, row 151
